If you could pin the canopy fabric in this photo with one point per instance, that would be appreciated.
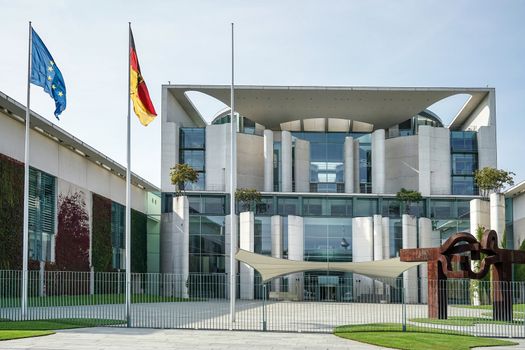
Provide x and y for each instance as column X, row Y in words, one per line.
column 270, row 268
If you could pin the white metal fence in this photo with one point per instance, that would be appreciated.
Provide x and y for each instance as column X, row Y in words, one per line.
column 298, row 303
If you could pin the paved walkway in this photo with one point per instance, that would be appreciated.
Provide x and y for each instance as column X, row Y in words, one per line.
column 146, row 339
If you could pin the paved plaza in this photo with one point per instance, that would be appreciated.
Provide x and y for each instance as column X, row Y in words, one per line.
column 142, row 339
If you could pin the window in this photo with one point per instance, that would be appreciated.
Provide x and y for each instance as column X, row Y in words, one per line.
column 366, row 207
column 464, row 164
column 192, row 151
column 118, row 243
column 287, row 206
column 42, row 202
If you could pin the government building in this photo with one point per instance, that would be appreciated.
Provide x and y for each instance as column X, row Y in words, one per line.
column 328, row 162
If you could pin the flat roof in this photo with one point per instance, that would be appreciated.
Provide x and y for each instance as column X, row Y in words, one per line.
column 516, row 190
column 17, row 111
column 382, row 107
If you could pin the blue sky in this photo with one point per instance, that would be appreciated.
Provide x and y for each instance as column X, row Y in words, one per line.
column 456, row 43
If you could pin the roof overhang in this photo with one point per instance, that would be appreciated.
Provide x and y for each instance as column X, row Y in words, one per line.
column 17, row 111
column 516, row 190
column 381, row 106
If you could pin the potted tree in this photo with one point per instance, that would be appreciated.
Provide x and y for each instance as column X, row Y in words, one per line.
column 181, row 174
column 245, row 196
column 491, row 180
column 408, row 197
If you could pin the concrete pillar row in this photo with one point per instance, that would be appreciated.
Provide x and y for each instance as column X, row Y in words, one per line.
column 246, row 242
column 349, row 164
column 268, row 160
column 296, row 252
column 286, row 161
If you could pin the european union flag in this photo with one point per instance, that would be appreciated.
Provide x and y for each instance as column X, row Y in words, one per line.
column 45, row 73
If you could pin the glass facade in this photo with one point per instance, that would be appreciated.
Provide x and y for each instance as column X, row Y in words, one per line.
column 327, row 239
column 42, row 204
column 118, row 235
column 464, row 152
column 327, row 160
column 192, row 151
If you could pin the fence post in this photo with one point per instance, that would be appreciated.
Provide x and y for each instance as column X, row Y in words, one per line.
column 92, row 280
column 264, row 307
column 404, row 308
column 42, row 277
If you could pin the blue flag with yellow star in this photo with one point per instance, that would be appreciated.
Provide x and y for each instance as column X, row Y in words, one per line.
column 45, row 73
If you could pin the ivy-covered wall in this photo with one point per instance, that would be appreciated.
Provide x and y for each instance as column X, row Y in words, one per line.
column 139, row 252
column 11, row 213
column 101, row 253
column 72, row 239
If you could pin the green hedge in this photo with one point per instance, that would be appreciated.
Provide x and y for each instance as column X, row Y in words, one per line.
column 101, row 230
column 11, row 213
column 138, row 241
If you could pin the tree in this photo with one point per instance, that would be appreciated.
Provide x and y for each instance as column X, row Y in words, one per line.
column 247, row 195
column 181, row 174
column 492, row 180
column 407, row 197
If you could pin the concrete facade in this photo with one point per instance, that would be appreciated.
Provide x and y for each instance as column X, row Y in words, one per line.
column 409, row 224
column 349, row 164
column 434, row 160
column 286, row 161
column 268, row 160
column 497, row 213
column 246, row 242
column 378, row 161
column 296, row 252
column 302, row 166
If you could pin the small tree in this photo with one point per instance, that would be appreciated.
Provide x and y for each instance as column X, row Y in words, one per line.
column 181, row 174
column 247, row 195
column 407, row 197
column 492, row 180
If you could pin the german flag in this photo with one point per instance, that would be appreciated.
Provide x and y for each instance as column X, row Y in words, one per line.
column 139, row 94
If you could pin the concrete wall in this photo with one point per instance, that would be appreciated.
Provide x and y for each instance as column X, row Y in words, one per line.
column 217, row 141
column 378, row 161
column 402, row 162
column 268, row 160
column 357, row 188
column 362, row 250
column 250, row 161
column 174, row 246
column 518, row 212
column 487, row 147
column 286, row 161
column 497, row 214
column 53, row 158
column 246, row 242
column 277, row 245
column 434, row 160
column 302, row 166
column 427, row 239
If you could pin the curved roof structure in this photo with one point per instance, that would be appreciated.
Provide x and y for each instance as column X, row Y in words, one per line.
column 272, row 105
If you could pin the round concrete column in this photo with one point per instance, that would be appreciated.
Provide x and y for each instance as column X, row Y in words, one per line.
column 349, row 164
column 378, row 161
column 286, row 161
column 268, row 160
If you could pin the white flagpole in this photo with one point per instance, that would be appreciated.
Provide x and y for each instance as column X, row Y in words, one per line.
column 25, row 244
column 233, row 185
column 128, row 193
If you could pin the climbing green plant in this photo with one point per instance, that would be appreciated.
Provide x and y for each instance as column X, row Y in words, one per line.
column 101, row 230
column 11, row 213
column 408, row 197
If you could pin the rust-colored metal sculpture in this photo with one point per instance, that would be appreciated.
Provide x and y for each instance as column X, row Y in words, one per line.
column 453, row 260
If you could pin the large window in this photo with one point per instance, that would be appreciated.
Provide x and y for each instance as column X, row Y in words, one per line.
column 42, row 202
column 464, row 150
column 327, row 239
column 207, row 244
column 192, row 152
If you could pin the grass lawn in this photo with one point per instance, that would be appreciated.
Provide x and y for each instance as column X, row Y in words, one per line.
column 464, row 321
column 515, row 307
column 420, row 338
column 59, row 323
column 25, row 329
column 96, row 299
column 8, row 335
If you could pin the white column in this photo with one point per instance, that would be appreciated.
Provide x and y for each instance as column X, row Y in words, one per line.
column 181, row 209
column 349, row 164
column 410, row 241
column 296, row 252
column 286, row 161
column 277, row 246
column 357, row 188
column 362, row 250
column 427, row 239
column 386, row 237
column 246, row 242
column 302, row 166
column 268, row 160
column 378, row 237
column 497, row 214
column 479, row 215
column 378, row 161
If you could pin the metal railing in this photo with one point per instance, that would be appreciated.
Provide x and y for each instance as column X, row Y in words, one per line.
column 296, row 303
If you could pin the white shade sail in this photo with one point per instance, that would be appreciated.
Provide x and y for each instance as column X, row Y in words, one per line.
column 270, row 268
